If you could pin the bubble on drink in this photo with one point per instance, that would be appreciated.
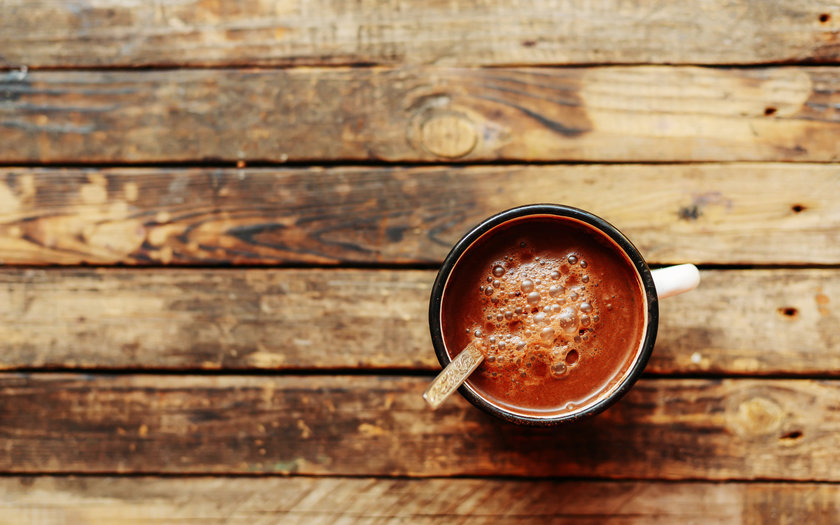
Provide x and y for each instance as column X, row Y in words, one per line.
column 568, row 320
column 498, row 270
column 558, row 369
column 547, row 333
column 527, row 285
column 533, row 298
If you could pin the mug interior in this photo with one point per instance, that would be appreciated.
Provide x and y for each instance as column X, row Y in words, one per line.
column 600, row 229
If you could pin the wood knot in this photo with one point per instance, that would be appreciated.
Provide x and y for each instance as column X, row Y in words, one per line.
column 448, row 135
column 757, row 417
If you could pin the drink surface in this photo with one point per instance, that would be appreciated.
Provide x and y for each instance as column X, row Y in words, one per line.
column 555, row 306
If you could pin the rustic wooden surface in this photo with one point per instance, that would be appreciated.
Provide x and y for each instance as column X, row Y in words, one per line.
column 260, row 357
column 288, row 319
column 379, row 426
column 407, row 114
column 317, row 500
column 488, row 32
column 701, row 213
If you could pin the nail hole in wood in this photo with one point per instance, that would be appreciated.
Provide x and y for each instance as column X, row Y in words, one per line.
column 825, row 17
column 796, row 434
column 788, row 311
column 797, row 208
column 529, row 43
column 768, row 111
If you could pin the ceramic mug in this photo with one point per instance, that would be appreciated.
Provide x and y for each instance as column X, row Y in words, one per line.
column 656, row 284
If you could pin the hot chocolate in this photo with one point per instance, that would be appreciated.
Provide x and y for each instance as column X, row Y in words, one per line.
column 555, row 306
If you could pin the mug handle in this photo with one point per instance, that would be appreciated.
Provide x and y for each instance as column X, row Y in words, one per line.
column 675, row 280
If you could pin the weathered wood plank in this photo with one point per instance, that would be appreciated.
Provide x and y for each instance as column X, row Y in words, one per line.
column 422, row 114
column 701, row 213
column 364, row 425
column 489, row 32
column 315, row 500
column 229, row 319
column 735, row 323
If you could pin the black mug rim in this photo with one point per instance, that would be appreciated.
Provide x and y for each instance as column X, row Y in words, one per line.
column 561, row 211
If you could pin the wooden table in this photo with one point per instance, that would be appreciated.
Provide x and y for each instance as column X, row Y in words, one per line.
column 220, row 221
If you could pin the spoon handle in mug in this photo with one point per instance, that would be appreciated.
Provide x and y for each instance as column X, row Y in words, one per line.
column 675, row 280
column 451, row 377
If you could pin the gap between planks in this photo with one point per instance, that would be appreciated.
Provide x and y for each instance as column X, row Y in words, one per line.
column 234, row 475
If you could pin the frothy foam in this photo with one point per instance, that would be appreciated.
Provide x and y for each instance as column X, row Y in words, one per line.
column 538, row 310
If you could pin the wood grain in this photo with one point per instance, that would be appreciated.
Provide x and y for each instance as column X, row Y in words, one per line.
column 422, row 114
column 28, row 500
column 489, row 32
column 701, row 213
column 777, row 322
column 380, row 426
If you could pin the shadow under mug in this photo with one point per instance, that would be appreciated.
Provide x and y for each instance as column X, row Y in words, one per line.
column 656, row 284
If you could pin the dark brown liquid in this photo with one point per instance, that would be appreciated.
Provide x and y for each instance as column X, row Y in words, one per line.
column 557, row 309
